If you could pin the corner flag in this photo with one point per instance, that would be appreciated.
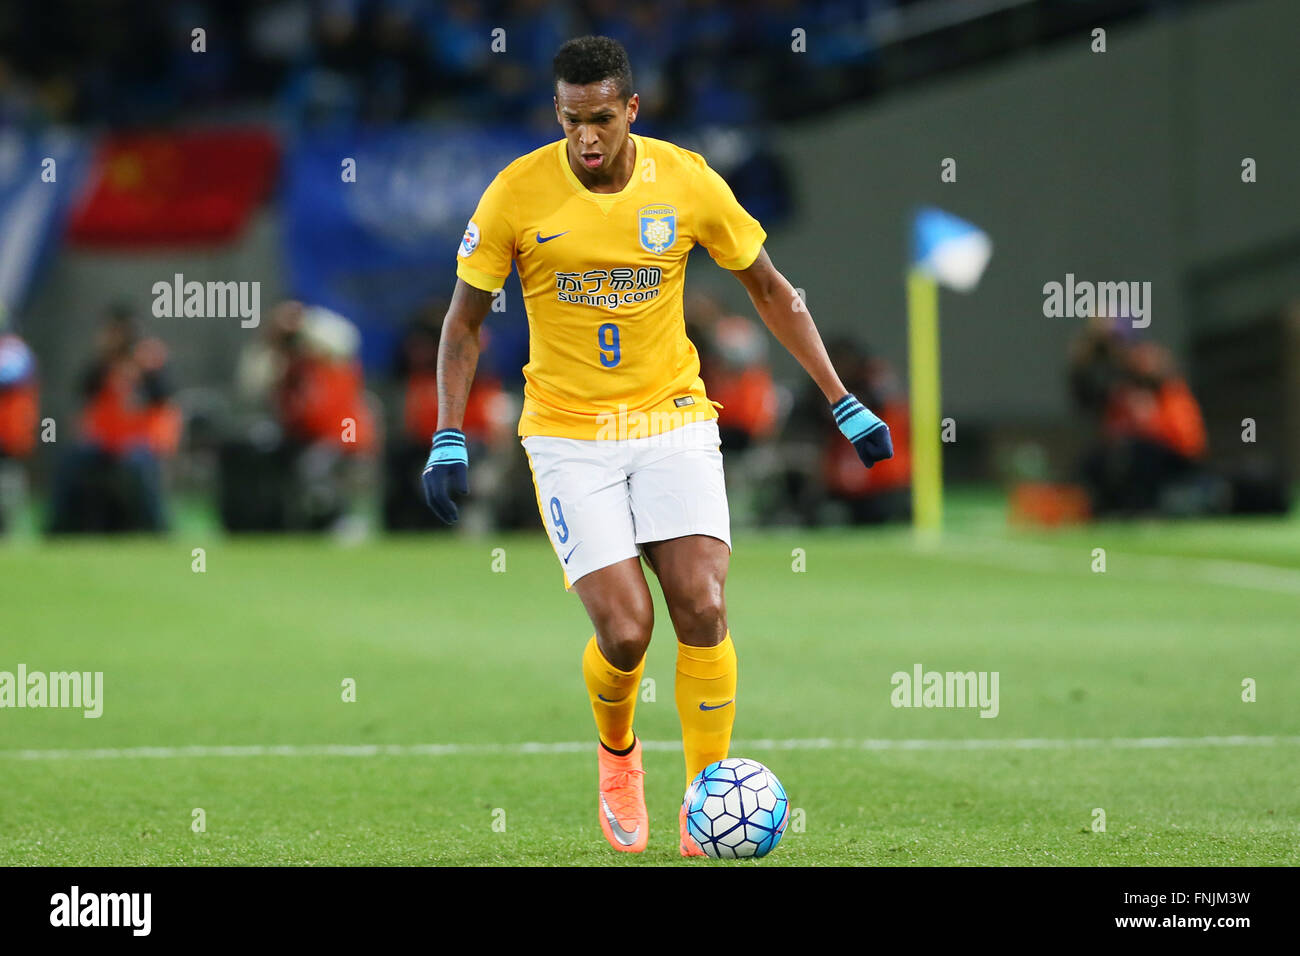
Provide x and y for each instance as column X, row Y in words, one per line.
column 946, row 251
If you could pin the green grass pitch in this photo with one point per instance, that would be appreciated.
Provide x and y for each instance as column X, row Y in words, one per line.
column 253, row 653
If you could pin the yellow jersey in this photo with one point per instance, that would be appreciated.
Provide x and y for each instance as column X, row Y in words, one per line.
column 602, row 277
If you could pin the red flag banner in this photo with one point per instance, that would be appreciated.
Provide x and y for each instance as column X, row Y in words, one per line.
column 165, row 188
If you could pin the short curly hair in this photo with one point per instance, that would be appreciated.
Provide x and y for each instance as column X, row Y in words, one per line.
column 591, row 59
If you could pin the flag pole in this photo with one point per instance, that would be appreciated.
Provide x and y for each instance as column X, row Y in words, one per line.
column 923, row 376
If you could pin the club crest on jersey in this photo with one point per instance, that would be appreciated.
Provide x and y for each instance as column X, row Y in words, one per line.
column 657, row 228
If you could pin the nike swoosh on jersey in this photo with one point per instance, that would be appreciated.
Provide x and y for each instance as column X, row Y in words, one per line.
column 570, row 554
column 704, row 706
column 541, row 238
column 621, row 835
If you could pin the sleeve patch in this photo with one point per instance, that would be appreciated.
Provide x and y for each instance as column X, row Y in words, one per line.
column 469, row 241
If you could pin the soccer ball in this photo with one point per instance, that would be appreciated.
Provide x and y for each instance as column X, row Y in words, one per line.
column 736, row 808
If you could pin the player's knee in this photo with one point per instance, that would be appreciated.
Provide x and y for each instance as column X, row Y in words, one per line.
column 625, row 634
column 701, row 615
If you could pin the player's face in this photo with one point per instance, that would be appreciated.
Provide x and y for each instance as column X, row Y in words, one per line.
column 595, row 121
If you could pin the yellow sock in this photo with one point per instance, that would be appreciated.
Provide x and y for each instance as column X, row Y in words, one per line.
column 706, row 702
column 613, row 696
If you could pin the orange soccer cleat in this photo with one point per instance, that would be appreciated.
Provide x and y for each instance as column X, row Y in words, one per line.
column 688, row 845
column 621, row 804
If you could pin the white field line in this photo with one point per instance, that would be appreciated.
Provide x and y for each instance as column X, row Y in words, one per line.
column 741, row 746
column 1035, row 556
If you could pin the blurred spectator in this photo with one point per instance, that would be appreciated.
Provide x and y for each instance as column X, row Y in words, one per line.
column 19, row 410
column 1155, row 405
column 417, row 368
column 380, row 60
column 1097, row 364
column 19, row 101
column 821, row 483
column 487, row 424
column 307, row 373
column 278, row 37
column 111, row 480
column 1151, row 437
column 454, row 38
column 294, row 468
column 19, row 397
column 646, row 30
column 734, row 367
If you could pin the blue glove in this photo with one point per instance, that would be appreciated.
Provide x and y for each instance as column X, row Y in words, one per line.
column 869, row 435
column 447, row 470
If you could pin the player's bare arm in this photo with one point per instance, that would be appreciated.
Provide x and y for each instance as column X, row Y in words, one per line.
column 447, row 469
column 458, row 351
column 784, row 313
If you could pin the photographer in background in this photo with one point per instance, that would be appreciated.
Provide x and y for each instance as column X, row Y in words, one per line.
column 488, row 426
column 111, row 480
column 296, row 464
column 1151, row 445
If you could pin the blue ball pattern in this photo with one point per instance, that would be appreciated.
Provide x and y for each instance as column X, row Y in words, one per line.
column 736, row 808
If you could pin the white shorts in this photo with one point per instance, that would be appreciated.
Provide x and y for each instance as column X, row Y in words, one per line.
column 601, row 499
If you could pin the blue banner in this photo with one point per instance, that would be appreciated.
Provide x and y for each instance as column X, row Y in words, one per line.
column 378, row 248
column 39, row 175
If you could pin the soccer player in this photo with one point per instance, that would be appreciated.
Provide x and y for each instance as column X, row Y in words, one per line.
column 620, row 435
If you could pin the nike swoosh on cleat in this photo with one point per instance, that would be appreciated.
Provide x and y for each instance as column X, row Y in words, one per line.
column 704, row 706
column 621, row 835
column 541, row 238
